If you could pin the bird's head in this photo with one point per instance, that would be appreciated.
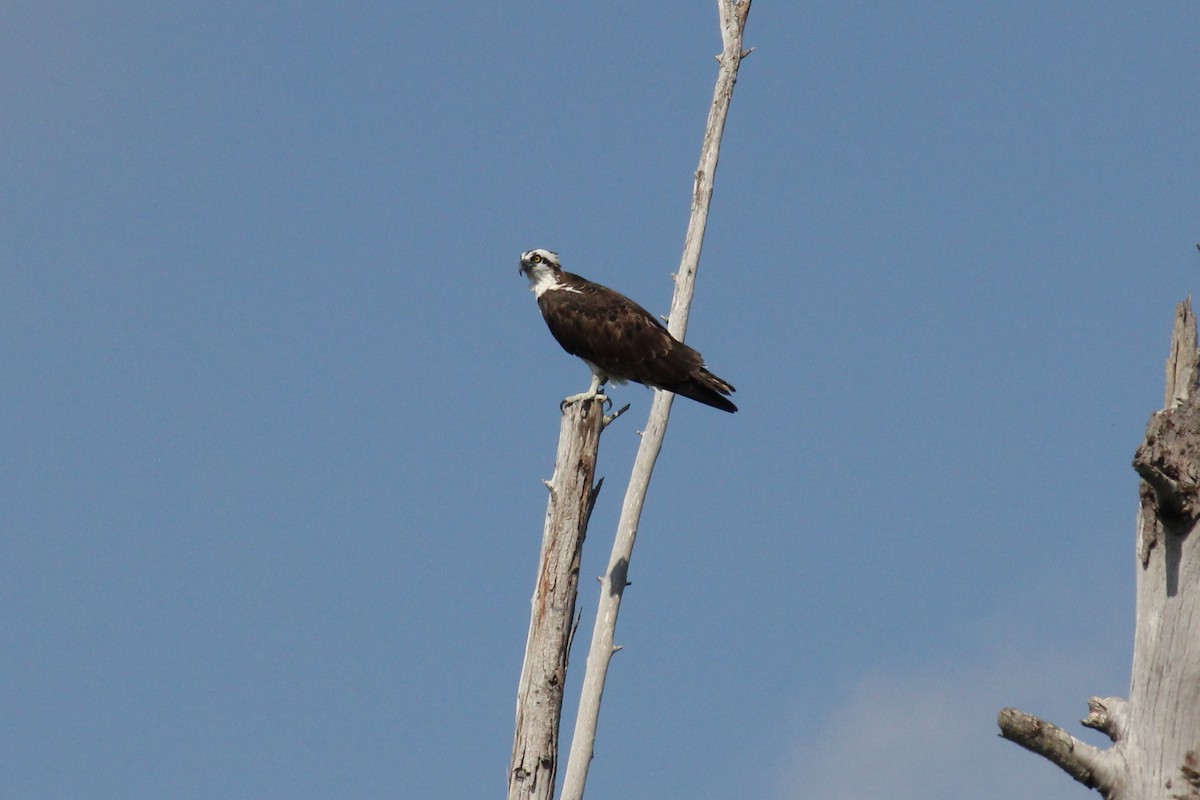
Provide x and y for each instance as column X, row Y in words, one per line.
column 539, row 264
column 543, row 270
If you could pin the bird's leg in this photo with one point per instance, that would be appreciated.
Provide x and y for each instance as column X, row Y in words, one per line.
column 592, row 393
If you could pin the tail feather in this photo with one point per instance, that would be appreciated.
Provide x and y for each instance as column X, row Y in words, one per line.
column 706, row 388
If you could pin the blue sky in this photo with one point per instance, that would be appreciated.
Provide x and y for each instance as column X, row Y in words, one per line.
column 277, row 405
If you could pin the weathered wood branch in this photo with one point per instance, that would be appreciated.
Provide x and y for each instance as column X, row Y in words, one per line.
column 1081, row 761
column 1109, row 715
column 732, row 23
column 551, row 618
column 1156, row 733
column 1181, row 364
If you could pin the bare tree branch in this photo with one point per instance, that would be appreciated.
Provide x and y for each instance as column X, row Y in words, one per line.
column 1109, row 715
column 1081, row 761
column 733, row 22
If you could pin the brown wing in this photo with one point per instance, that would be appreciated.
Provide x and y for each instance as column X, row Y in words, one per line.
column 625, row 341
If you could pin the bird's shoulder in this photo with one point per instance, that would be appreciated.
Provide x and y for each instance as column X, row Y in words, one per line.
column 594, row 299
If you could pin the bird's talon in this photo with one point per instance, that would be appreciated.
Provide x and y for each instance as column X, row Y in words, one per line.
column 585, row 396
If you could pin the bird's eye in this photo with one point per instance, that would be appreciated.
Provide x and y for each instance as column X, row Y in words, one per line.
column 536, row 259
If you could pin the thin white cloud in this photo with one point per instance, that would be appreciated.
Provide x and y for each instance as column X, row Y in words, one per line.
column 929, row 732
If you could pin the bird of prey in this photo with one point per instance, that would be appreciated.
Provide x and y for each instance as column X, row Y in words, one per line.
column 618, row 339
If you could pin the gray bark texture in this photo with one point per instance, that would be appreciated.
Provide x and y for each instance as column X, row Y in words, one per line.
column 1155, row 753
column 540, row 690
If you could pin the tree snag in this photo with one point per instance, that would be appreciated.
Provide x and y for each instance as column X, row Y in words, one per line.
column 1155, row 753
column 732, row 16
column 540, row 690
column 539, row 695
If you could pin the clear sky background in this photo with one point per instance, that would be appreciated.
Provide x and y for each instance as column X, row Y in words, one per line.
column 277, row 406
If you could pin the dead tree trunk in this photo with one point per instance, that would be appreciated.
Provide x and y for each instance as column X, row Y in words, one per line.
column 1156, row 733
column 544, row 671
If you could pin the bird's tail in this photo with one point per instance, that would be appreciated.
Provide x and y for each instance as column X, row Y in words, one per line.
column 704, row 387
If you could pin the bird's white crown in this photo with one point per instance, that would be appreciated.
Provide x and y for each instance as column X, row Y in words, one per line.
column 531, row 258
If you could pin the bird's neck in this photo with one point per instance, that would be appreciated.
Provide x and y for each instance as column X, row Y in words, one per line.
column 542, row 279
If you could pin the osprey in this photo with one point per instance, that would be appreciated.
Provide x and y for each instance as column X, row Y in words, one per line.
column 618, row 339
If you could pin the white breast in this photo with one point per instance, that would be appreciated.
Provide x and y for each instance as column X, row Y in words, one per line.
column 542, row 279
